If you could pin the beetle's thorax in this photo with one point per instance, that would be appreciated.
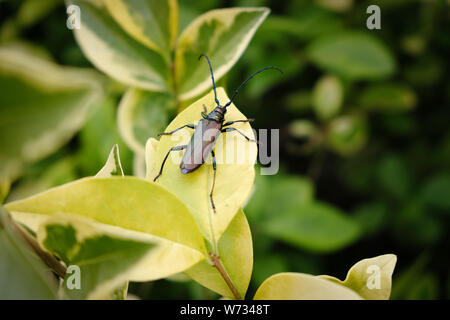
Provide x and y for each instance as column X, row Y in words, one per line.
column 218, row 114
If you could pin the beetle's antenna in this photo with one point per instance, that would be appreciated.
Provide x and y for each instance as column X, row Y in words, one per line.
column 212, row 77
column 245, row 81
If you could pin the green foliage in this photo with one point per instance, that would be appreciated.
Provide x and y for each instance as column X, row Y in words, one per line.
column 436, row 192
column 141, row 36
column 153, row 23
column 388, row 98
column 22, row 274
column 313, row 226
column 284, row 208
column 39, row 115
column 96, row 138
column 347, row 134
column 221, row 34
column 364, row 149
column 352, row 55
column 415, row 282
column 393, row 176
column 104, row 43
column 135, row 107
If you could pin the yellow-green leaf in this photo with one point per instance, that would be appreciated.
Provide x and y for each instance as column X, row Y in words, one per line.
column 39, row 113
column 117, row 54
column 101, row 258
column 223, row 35
column 370, row 278
column 112, row 167
column 150, row 157
column 154, row 23
column 129, row 207
column 235, row 169
column 236, row 253
column 300, row 286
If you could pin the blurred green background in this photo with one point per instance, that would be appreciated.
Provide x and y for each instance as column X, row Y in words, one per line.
column 364, row 135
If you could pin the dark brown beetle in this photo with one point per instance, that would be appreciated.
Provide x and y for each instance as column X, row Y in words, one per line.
column 206, row 133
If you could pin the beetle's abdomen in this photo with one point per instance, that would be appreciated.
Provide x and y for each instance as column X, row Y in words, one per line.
column 205, row 136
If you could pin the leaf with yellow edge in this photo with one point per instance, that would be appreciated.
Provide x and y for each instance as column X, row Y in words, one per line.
column 154, row 23
column 300, row 286
column 223, row 35
column 106, row 258
column 39, row 114
column 370, row 278
column 112, row 167
column 116, row 53
column 235, row 169
column 129, row 207
column 236, row 253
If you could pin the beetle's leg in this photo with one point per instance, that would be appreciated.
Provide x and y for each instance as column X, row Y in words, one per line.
column 214, row 180
column 176, row 148
column 240, row 132
column 205, row 111
column 229, row 123
column 192, row 126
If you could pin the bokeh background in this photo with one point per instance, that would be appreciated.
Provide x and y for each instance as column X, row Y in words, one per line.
column 364, row 139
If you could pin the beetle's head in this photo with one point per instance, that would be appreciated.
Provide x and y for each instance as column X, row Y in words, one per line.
column 221, row 109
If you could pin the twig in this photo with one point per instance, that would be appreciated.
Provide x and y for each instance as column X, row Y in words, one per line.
column 217, row 263
column 48, row 259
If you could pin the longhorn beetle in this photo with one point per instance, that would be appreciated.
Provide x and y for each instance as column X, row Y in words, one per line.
column 200, row 145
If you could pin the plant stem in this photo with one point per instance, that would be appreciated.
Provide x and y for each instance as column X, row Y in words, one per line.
column 217, row 263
